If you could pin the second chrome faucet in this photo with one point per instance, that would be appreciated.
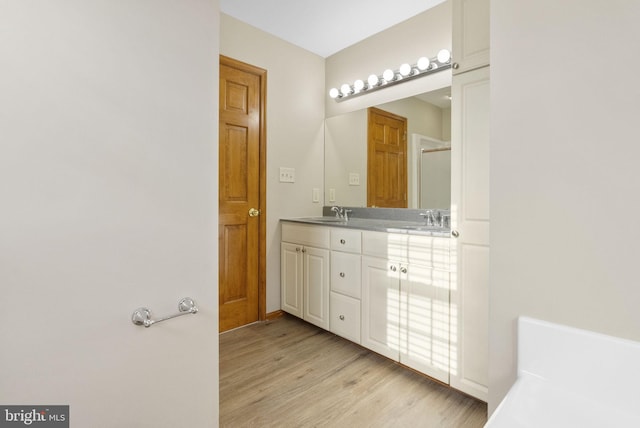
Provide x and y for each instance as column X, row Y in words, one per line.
column 341, row 212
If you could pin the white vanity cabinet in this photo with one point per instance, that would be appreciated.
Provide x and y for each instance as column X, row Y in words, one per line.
column 304, row 271
column 388, row 292
column 345, row 283
column 405, row 300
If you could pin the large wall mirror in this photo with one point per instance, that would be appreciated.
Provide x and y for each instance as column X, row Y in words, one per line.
column 428, row 161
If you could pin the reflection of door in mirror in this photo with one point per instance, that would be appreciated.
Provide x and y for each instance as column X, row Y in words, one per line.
column 386, row 159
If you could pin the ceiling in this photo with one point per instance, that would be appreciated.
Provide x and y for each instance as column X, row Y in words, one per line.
column 327, row 26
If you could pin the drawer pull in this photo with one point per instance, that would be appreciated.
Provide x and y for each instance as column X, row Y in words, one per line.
column 342, row 275
column 341, row 317
column 342, row 241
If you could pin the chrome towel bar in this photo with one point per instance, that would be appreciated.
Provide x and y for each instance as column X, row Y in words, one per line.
column 142, row 316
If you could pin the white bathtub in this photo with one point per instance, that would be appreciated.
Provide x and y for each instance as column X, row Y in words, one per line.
column 569, row 377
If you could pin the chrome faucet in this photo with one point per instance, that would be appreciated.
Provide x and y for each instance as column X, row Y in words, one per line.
column 341, row 212
column 432, row 217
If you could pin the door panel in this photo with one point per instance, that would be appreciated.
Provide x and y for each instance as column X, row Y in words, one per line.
column 380, row 307
column 291, row 266
column 240, row 176
column 470, row 219
column 316, row 286
column 425, row 324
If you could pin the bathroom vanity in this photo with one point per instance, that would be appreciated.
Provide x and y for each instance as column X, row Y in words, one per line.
column 384, row 284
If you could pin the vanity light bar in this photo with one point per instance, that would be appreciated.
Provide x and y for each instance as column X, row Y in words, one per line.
column 404, row 73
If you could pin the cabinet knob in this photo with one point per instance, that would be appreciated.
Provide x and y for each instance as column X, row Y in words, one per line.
column 341, row 317
column 304, row 250
column 297, row 249
column 455, row 233
column 342, row 241
column 393, row 268
column 403, row 270
column 455, row 65
column 341, row 274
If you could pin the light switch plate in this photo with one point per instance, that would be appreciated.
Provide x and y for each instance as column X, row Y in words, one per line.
column 354, row 179
column 316, row 195
column 287, row 175
column 332, row 195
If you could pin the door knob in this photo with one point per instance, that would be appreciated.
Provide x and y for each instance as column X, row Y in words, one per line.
column 254, row 212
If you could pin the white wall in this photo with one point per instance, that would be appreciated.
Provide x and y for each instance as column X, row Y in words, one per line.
column 108, row 170
column 295, row 130
column 345, row 140
column 565, row 236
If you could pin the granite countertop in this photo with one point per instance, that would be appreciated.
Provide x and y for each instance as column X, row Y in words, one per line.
column 378, row 225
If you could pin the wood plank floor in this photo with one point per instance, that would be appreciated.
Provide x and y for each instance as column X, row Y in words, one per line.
column 288, row 373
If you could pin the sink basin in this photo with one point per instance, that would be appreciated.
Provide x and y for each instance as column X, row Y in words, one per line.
column 325, row 219
column 421, row 227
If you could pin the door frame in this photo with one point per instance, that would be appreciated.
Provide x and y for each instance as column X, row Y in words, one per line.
column 262, row 218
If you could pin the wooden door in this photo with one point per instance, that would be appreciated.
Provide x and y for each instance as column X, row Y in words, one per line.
column 386, row 159
column 241, row 194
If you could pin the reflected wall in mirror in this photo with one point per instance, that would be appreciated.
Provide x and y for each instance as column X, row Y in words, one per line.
column 429, row 127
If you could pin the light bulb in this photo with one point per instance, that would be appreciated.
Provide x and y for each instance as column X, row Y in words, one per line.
column 333, row 92
column 423, row 63
column 388, row 75
column 373, row 80
column 444, row 56
column 358, row 85
column 405, row 69
column 345, row 89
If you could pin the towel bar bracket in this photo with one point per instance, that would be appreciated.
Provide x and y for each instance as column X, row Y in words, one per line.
column 142, row 316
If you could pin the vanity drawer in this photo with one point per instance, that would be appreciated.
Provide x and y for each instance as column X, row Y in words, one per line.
column 346, row 240
column 344, row 317
column 345, row 273
column 314, row 236
column 391, row 246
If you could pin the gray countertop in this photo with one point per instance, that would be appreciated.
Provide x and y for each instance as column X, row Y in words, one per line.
column 377, row 225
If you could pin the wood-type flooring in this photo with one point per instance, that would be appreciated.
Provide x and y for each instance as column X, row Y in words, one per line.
column 288, row 373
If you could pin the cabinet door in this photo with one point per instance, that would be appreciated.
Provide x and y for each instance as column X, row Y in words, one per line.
column 424, row 320
column 470, row 34
column 316, row 286
column 291, row 278
column 470, row 222
column 380, row 306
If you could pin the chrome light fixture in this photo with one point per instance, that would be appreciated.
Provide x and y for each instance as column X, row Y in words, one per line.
column 424, row 66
